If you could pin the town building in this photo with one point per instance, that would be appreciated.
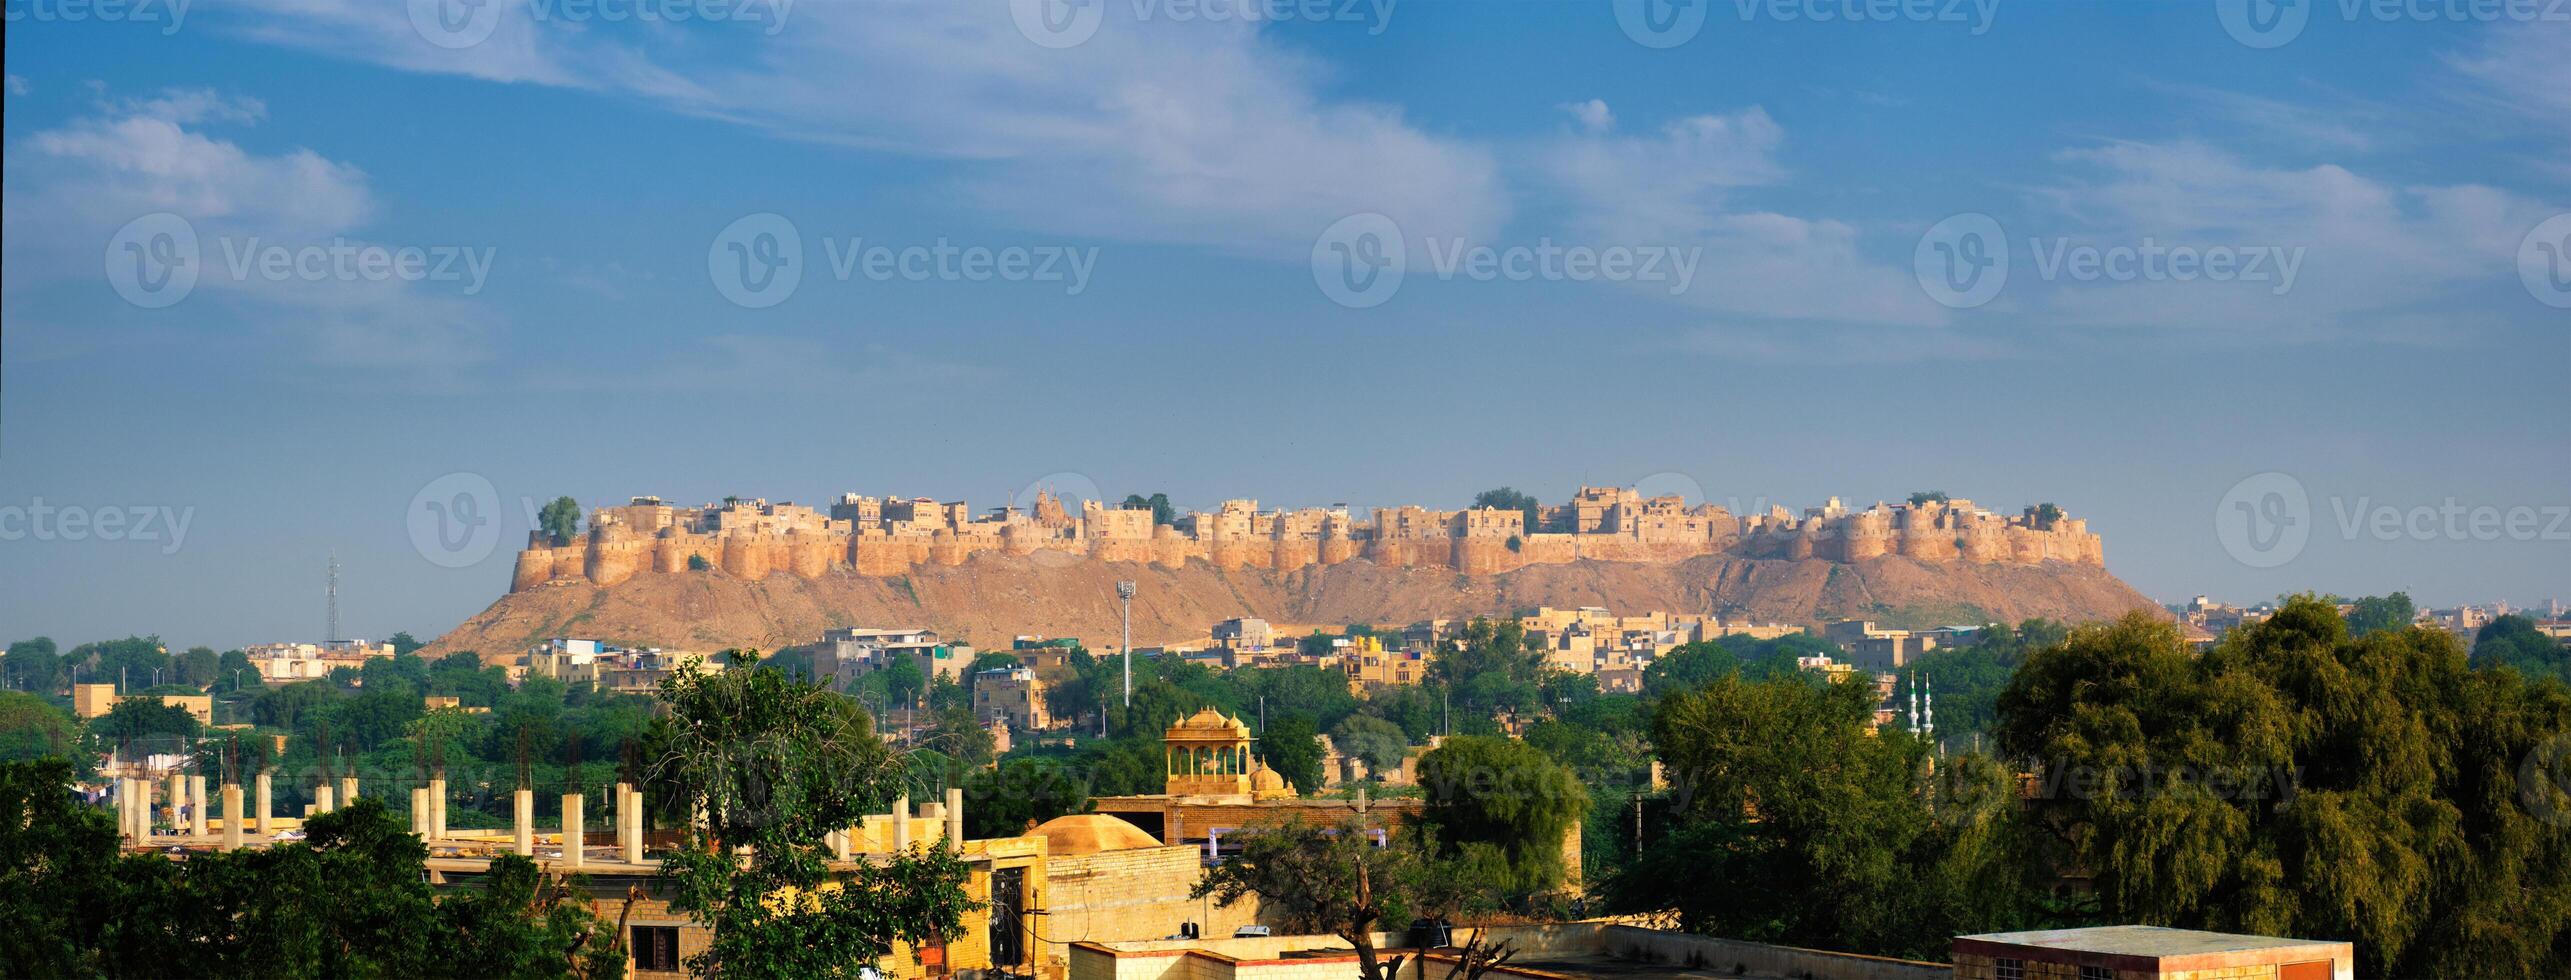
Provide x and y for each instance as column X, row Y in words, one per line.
column 282, row 663
column 852, row 652
column 1011, row 696
column 93, row 700
column 2148, row 953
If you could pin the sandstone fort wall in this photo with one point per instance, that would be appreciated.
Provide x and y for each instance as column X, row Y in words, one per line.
column 753, row 539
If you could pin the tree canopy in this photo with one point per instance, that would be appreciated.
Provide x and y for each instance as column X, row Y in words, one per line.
column 2297, row 780
column 560, row 518
column 776, row 765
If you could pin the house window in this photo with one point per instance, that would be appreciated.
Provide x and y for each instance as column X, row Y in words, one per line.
column 2097, row 973
column 656, row 948
column 2007, row 968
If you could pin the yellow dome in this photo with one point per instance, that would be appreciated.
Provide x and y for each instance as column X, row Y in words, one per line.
column 1090, row 833
column 1266, row 783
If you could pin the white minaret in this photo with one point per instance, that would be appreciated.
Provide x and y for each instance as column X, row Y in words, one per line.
column 1928, row 709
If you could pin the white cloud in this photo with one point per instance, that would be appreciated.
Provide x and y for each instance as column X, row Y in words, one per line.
column 69, row 190
column 1676, row 187
column 1153, row 130
column 2369, row 249
column 2525, row 69
column 1593, row 115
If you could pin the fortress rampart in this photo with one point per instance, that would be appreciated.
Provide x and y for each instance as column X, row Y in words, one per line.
column 753, row 539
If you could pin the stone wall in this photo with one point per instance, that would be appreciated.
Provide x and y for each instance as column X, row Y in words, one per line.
column 754, row 539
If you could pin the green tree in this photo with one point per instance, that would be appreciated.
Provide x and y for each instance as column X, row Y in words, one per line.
column 33, row 665
column 56, row 857
column 234, row 674
column 526, row 922
column 1292, row 747
column 2513, row 641
column 127, row 663
column 561, row 519
column 1493, row 666
column 1382, row 744
column 1824, row 832
column 2374, row 614
column 903, row 680
column 404, row 644
column 777, row 765
column 1502, row 807
column 1927, row 497
column 1505, row 498
column 196, row 667
column 1335, row 880
column 2296, row 780
column 1163, row 513
column 32, row 728
column 156, row 724
column 1017, row 794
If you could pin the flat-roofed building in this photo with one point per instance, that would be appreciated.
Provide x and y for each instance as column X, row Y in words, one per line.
column 2148, row 953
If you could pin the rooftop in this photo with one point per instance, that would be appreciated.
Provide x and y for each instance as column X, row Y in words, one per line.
column 2144, row 940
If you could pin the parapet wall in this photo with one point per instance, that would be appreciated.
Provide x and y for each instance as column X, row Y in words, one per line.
column 863, row 536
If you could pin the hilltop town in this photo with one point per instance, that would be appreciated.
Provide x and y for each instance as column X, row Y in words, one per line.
column 881, row 537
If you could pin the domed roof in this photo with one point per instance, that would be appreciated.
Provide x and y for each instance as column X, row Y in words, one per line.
column 1266, row 780
column 1090, row 833
column 1208, row 724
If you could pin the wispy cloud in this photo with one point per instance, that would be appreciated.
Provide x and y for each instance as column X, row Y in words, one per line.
column 69, row 190
column 1198, row 132
column 1678, row 185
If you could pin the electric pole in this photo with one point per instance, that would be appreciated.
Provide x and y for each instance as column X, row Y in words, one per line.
column 1125, row 596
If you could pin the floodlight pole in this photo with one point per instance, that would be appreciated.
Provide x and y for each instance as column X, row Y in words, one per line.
column 1125, row 596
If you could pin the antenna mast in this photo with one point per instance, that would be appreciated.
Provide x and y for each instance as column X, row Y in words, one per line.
column 332, row 632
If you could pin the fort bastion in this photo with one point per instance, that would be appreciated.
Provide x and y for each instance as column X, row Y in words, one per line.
column 888, row 536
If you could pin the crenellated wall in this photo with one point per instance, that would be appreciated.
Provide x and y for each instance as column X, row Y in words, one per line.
column 881, row 538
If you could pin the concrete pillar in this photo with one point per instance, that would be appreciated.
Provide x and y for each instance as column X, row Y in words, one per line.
column 232, row 816
column 629, row 818
column 178, row 804
column 525, row 840
column 437, row 807
column 419, row 810
column 954, row 819
column 347, row 790
column 321, row 799
column 902, row 824
column 571, row 830
column 839, row 845
column 203, row 825
column 125, row 806
column 260, row 820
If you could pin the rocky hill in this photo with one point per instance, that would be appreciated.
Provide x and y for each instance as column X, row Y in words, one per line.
column 992, row 597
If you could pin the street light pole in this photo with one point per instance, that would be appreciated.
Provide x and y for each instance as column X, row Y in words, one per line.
column 1125, row 595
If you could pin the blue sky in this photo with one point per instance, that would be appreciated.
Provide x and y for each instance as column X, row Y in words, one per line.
column 2404, row 169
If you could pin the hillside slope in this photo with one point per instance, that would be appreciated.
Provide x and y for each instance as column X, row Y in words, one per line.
column 990, row 598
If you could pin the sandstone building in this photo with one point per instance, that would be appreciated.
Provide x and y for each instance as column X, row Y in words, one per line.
column 886, row 537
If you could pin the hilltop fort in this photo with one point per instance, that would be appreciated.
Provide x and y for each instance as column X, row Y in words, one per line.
column 891, row 536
